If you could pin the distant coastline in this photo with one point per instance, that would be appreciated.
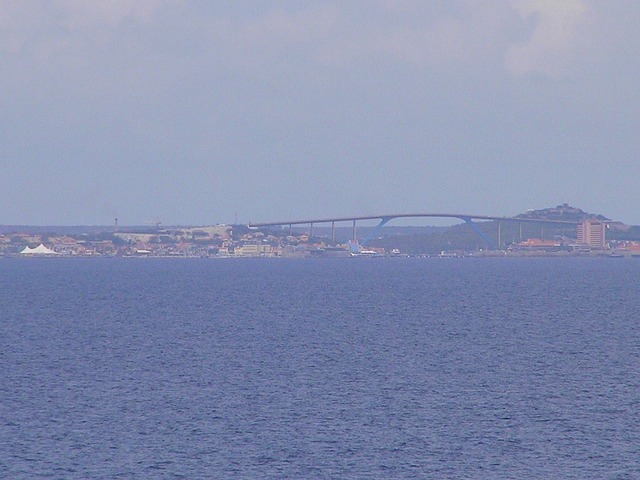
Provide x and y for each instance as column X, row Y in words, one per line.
column 540, row 233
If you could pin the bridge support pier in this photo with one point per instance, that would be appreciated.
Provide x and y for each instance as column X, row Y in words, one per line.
column 333, row 232
column 374, row 233
column 479, row 231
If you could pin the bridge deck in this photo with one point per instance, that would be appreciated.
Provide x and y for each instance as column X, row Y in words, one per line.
column 460, row 216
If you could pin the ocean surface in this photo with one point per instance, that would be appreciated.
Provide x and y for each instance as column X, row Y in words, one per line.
column 382, row 368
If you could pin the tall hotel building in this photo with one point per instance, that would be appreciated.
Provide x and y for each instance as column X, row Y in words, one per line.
column 592, row 233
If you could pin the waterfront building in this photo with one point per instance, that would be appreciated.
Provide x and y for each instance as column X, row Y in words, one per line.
column 537, row 245
column 592, row 233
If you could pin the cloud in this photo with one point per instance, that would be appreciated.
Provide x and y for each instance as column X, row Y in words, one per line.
column 277, row 33
column 460, row 39
column 555, row 40
column 425, row 35
column 30, row 23
column 17, row 23
column 421, row 34
column 83, row 14
column 292, row 27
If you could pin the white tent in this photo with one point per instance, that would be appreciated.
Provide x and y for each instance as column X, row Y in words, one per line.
column 39, row 250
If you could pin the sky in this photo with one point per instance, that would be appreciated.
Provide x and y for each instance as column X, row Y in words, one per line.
column 201, row 112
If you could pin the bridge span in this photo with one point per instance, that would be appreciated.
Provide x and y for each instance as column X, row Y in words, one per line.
column 386, row 218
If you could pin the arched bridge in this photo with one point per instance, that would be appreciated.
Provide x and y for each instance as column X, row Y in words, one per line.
column 384, row 219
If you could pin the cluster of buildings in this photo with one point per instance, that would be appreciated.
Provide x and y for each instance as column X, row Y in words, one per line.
column 591, row 239
column 219, row 241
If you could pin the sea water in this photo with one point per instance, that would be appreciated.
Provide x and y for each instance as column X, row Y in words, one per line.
column 382, row 368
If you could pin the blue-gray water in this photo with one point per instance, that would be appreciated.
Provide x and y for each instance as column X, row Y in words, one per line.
column 345, row 368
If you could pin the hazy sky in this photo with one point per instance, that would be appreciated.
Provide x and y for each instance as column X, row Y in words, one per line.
column 191, row 111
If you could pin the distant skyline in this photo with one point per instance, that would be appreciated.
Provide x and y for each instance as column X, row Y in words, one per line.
column 190, row 112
